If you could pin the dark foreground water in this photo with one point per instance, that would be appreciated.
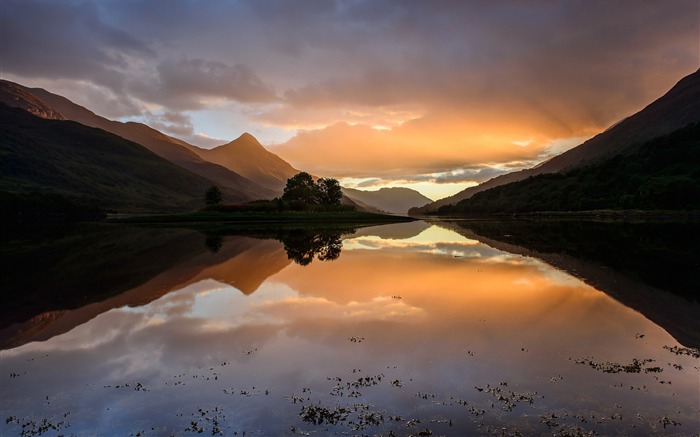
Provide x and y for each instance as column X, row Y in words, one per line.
column 406, row 329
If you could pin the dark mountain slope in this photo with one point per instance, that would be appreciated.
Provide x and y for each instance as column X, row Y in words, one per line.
column 44, row 159
column 674, row 110
column 661, row 174
column 239, row 188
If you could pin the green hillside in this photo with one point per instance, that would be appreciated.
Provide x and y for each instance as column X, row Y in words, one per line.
column 661, row 174
column 52, row 166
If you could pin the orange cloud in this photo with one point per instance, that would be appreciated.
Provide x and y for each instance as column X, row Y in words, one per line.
column 430, row 144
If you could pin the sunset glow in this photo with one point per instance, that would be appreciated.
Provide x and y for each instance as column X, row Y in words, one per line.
column 434, row 95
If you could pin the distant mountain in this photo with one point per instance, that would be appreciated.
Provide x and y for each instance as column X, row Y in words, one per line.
column 174, row 150
column 247, row 157
column 395, row 200
column 679, row 107
column 49, row 166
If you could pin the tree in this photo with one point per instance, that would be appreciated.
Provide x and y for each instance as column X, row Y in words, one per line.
column 300, row 188
column 213, row 196
column 328, row 191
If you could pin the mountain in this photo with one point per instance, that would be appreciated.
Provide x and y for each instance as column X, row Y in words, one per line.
column 247, row 157
column 660, row 174
column 677, row 108
column 17, row 96
column 395, row 200
column 49, row 166
column 174, row 150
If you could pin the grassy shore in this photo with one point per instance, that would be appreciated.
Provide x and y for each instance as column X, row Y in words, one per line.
column 259, row 217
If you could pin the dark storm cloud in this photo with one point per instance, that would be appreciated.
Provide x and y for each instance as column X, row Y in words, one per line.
column 198, row 77
column 66, row 40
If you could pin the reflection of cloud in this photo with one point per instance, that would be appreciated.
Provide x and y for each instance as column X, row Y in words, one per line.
column 437, row 323
column 435, row 240
column 378, row 308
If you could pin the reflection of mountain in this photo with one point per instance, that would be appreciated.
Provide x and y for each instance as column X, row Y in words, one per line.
column 397, row 231
column 651, row 268
column 73, row 276
column 245, row 263
column 79, row 276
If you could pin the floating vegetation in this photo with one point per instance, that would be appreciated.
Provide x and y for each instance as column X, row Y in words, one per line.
column 695, row 353
column 319, row 415
column 136, row 387
column 34, row 427
column 509, row 398
column 207, row 420
column 636, row 366
column 667, row 421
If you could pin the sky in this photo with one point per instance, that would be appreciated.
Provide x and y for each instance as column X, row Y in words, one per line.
column 432, row 95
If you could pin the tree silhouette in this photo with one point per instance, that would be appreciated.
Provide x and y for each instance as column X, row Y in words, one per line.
column 213, row 196
column 213, row 242
column 328, row 191
column 300, row 188
column 303, row 245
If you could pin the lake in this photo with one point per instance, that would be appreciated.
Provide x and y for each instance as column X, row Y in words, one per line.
column 461, row 328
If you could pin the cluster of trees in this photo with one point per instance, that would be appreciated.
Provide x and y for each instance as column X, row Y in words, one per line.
column 301, row 193
column 661, row 174
column 301, row 189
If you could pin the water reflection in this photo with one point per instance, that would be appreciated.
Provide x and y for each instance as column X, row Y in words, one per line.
column 303, row 245
column 415, row 328
column 650, row 267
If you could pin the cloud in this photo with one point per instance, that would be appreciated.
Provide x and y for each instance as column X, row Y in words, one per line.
column 369, row 87
column 368, row 183
column 431, row 144
column 198, row 77
column 173, row 123
column 470, row 174
column 68, row 40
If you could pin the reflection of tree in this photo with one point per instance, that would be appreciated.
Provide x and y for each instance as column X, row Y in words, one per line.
column 213, row 242
column 303, row 245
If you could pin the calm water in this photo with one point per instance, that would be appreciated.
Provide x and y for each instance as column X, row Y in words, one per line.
column 390, row 330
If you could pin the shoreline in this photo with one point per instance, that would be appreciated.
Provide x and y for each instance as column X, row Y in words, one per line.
column 595, row 215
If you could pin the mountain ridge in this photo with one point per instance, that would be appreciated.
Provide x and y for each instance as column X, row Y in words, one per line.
column 173, row 150
column 51, row 166
column 673, row 110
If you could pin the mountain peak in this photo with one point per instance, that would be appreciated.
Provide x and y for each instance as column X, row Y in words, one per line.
column 246, row 156
column 247, row 136
column 247, row 139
